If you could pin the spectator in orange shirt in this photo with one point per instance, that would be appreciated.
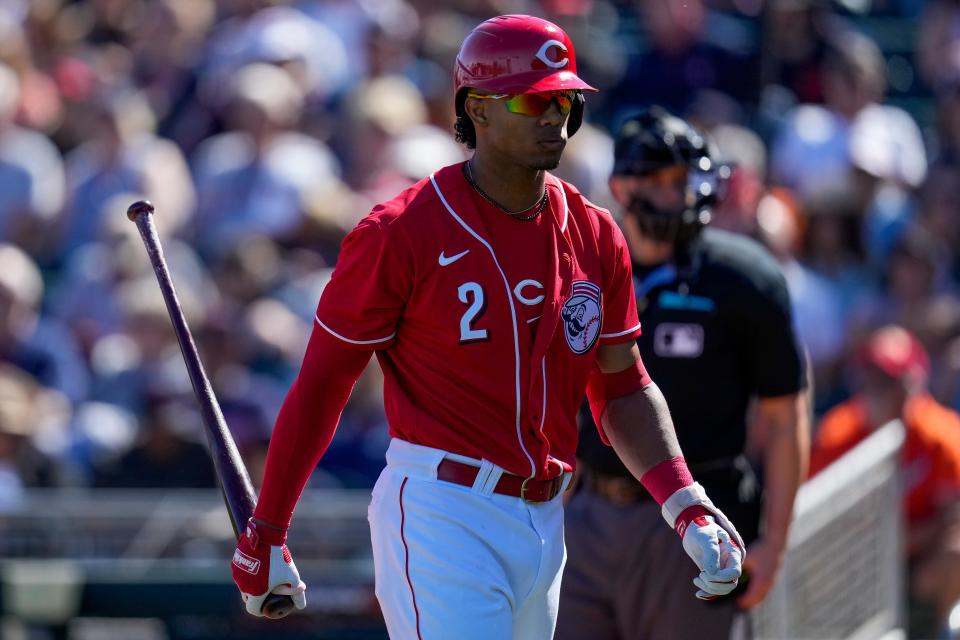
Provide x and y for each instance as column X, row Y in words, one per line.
column 893, row 369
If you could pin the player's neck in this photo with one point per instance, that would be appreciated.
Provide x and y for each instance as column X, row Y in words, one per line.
column 646, row 251
column 514, row 187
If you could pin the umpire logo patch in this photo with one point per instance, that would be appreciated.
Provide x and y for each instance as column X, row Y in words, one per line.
column 582, row 316
column 674, row 340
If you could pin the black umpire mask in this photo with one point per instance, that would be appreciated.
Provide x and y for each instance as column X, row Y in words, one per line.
column 677, row 226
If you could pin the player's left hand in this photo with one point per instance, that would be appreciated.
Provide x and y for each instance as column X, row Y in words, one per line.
column 709, row 538
column 763, row 564
column 715, row 552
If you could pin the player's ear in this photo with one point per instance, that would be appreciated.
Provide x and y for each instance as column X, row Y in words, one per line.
column 619, row 190
column 477, row 111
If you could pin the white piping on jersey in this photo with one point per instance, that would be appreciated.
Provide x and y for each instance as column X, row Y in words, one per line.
column 543, row 361
column 620, row 333
column 513, row 314
column 345, row 339
column 566, row 209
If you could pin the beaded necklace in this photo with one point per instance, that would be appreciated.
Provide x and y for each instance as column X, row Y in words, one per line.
column 468, row 174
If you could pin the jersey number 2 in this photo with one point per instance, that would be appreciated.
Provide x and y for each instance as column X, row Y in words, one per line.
column 471, row 293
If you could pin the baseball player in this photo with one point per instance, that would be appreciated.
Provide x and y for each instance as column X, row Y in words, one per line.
column 718, row 330
column 493, row 295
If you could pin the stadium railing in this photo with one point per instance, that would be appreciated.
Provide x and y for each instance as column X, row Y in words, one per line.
column 842, row 578
column 150, row 559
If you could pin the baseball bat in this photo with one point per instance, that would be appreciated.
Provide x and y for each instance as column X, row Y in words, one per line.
column 238, row 493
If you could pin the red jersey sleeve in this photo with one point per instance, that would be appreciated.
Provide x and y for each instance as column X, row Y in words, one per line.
column 306, row 423
column 621, row 323
column 370, row 285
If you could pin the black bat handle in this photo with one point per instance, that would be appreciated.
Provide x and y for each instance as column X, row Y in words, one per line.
column 238, row 493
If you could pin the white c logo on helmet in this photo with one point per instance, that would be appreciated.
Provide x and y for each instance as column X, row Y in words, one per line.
column 542, row 54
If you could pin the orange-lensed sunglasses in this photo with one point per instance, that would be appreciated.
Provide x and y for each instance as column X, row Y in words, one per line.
column 533, row 104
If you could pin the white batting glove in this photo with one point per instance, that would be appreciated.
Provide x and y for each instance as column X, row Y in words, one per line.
column 709, row 538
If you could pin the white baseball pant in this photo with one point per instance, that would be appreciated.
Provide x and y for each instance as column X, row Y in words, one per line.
column 462, row 562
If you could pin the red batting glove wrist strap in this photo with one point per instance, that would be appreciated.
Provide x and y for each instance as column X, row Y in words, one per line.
column 666, row 478
column 696, row 514
column 263, row 531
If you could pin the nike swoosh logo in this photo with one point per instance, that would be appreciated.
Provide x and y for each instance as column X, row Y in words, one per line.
column 444, row 260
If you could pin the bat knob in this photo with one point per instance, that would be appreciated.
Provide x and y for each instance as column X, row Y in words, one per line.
column 139, row 207
column 277, row 606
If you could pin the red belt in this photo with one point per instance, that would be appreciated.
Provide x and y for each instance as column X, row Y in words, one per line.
column 531, row 490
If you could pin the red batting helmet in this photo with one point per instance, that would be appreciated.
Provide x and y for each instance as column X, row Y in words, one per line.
column 518, row 54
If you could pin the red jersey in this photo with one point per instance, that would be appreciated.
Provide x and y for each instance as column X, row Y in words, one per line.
column 528, row 267
column 421, row 281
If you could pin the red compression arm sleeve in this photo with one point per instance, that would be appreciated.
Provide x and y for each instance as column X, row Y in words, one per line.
column 604, row 387
column 306, row 423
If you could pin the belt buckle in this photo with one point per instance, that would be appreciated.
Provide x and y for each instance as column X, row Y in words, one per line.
column 523, row 492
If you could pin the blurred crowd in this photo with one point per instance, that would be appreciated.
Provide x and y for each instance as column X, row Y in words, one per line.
column 263, row 130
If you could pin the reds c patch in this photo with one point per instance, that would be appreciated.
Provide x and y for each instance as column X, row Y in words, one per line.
column 582, row 316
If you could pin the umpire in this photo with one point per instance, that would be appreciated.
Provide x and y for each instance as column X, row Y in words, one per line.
column 718, row 338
